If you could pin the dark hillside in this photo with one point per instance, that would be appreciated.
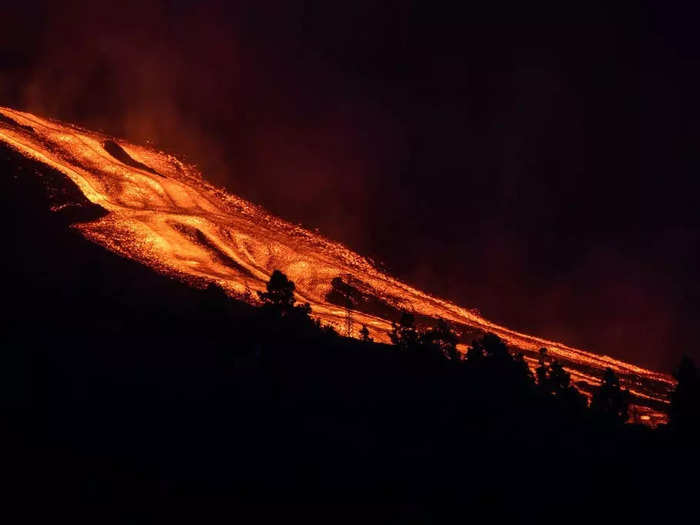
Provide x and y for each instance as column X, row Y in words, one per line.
column 128, row 396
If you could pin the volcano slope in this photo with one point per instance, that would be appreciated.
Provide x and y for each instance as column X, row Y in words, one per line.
column 160, row 212
column 125, row 392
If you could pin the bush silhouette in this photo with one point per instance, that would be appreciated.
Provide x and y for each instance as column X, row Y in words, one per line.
column 489, row 355
column 404, row 335
column 610, row 401
column 554, row 381
column 441, row 340
column 489, row 346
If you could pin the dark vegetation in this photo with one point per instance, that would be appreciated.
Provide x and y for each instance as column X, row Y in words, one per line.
column 128, row 396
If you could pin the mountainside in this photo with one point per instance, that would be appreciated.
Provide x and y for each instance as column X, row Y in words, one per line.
column 150, row 207
column 127, row 395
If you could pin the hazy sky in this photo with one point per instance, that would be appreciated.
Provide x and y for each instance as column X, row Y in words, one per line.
column 535, row 161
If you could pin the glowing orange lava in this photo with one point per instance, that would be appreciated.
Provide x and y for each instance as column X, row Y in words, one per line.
column 163, row 214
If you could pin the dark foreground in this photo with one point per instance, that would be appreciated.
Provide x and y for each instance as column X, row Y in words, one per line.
column 129, row 397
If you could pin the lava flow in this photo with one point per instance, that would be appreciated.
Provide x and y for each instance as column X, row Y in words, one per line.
column 162, row 213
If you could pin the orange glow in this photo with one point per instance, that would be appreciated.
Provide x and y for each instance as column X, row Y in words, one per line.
column 178, row 224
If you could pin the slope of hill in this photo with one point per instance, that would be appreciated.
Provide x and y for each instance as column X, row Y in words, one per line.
column 127, row 395
column 160, row 212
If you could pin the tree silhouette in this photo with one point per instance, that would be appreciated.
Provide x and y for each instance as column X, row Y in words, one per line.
column 558, row 379
column 476, row 353
column 441, row 340
column 404, row 334
column 279, row 300
column 610, row 401
column 685, row 400
column 490, row 356
column 489, row 346
column 280, row 292
column 303, row 309
column 364, row 334
column 520, row 371
column 553, row 380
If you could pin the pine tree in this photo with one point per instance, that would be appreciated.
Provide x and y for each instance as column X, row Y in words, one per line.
column 280, row 292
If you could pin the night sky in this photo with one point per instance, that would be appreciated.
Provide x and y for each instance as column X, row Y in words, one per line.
column 536, row 161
